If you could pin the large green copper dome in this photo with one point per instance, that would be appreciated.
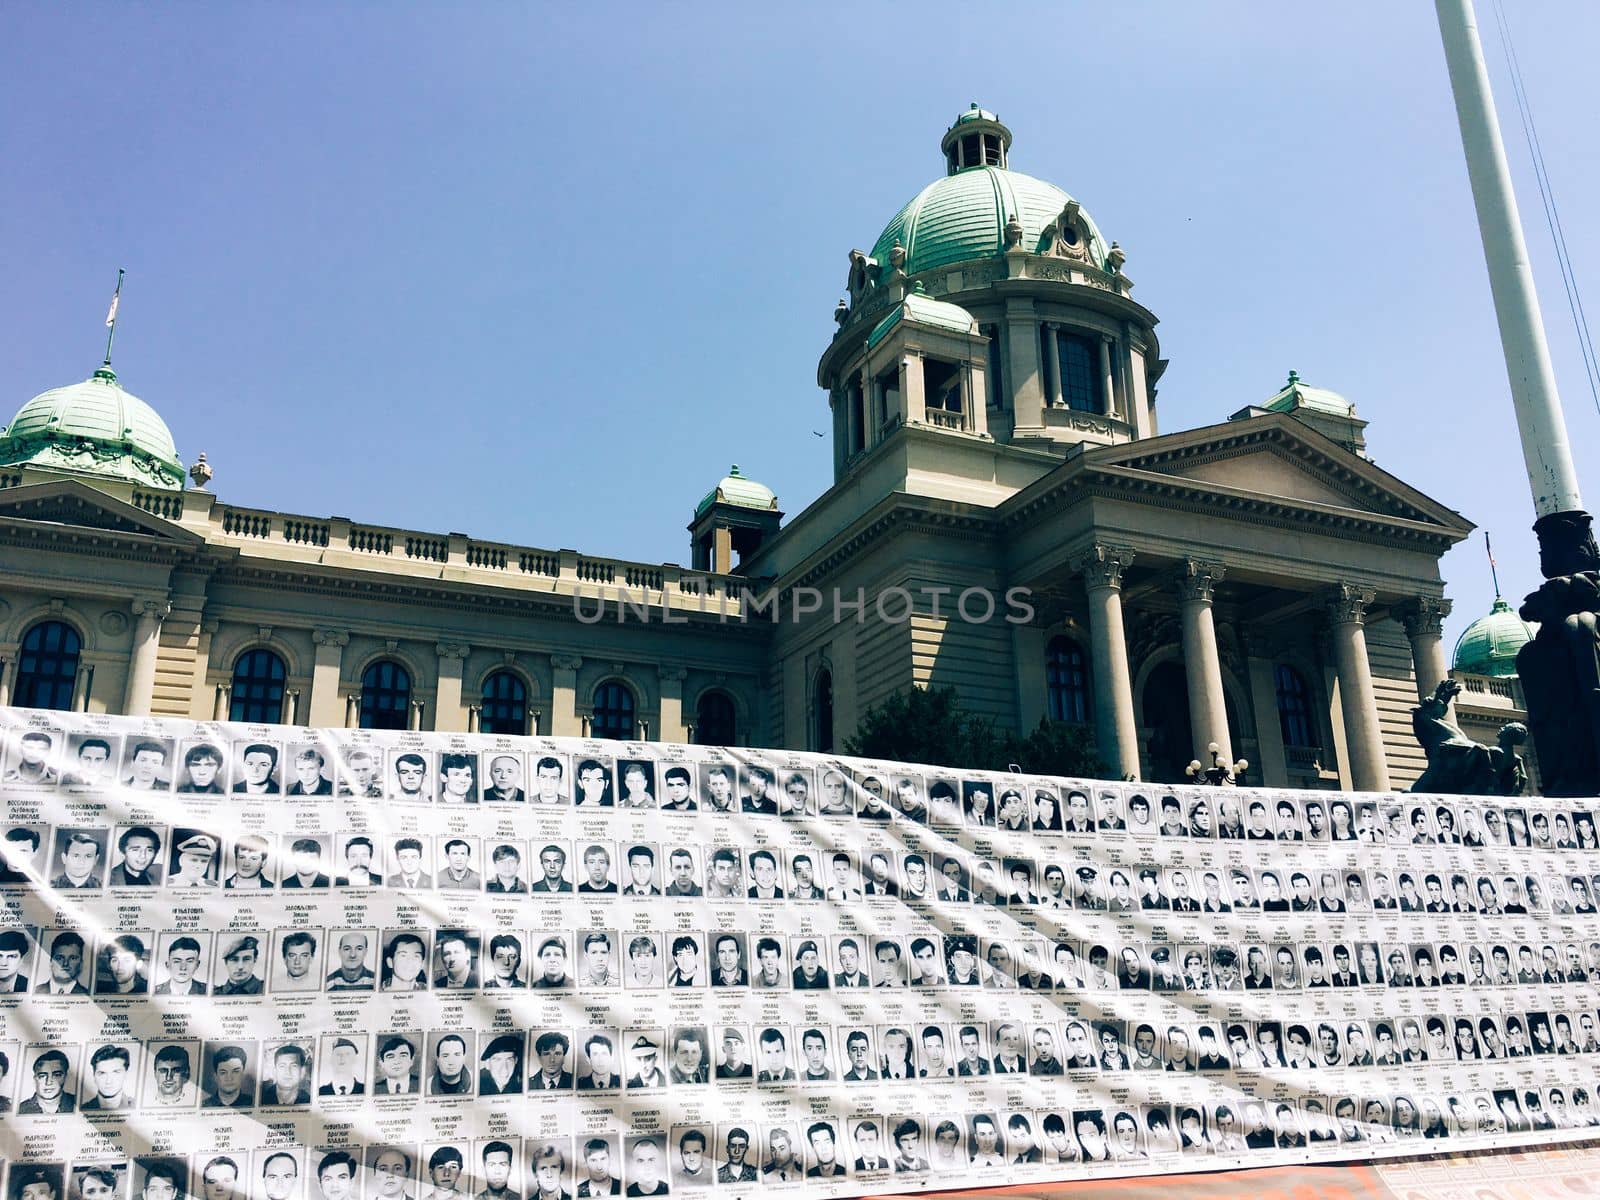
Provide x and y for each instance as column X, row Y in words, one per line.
column 963, row 217
column 94, row 428
column 1489, row 645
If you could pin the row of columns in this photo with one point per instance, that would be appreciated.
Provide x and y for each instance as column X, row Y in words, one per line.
column 1102, row 567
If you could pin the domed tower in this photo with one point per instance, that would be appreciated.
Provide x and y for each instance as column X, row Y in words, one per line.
column 735, row 518
column 95, row 428
column 990, row 312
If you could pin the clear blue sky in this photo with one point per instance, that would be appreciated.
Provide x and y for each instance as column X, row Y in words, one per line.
column 541, row 272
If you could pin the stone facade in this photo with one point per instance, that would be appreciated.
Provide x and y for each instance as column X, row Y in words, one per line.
column 1254, row 583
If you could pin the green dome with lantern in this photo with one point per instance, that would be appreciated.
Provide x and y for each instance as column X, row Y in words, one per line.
column 1489, row 645
column 96, row 427
column 965, row 215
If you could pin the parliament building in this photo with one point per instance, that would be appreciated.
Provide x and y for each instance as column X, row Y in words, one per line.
column 1257, row 583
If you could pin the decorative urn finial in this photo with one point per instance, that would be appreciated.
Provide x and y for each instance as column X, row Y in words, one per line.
column 201, row 471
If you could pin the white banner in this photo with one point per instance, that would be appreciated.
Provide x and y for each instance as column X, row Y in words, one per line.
column 286, row 964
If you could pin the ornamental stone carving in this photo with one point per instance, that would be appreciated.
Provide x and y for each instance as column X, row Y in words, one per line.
column 1102, row 565
column 1068, row 235
column 1423, row 616
column 331, row 637
column 455, row 650
column 1198, row 578
column 1346, row 603
column 146, row 606
column 565, row 662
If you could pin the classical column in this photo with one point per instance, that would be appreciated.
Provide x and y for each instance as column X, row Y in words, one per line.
column 1108, row 381
column 1052, row 366
column 672, row 726
column 447, row 696
column 220, row 706
column 564, row 697
column 1208, row 709
column 324, row 703
column 913, row 393
column 1022, row 373
column 352, row 709
column 474, row 715
column 1423, row 619
column 8, row 666
column 1115, row 729
column 414, row 724
column 202, row 668
column 142, row 664
column 1346, row 606
column 291, row 706
column 81, row 683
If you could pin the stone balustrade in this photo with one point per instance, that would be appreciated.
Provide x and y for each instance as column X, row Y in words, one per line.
column 357, row 546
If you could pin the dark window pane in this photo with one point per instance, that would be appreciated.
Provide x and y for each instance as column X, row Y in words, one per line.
column 257, row 695
column 505, row 705
column 994, row 377
column 825, row 712
column 47, row 666
column 613, row 713
column 1066, row 680
column 385, row 696
column 1294, row 707
column 1078, row 387
column 714, row 721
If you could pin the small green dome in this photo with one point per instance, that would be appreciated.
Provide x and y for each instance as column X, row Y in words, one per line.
column 1489, row 645
column 921, row 309
column 1295, row 394
column 963, row 217
column 735, row 489
column 97, row 428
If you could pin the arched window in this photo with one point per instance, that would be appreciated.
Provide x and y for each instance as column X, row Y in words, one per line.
column 48, row 666
column 257, row 695
column 824, row 712
column 505, row 705
column 385, row 696
column 1066, row 680
column 1294, row 707
column 714, row 720
column 613, row 713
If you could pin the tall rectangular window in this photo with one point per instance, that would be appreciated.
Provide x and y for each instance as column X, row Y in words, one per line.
column 994, row 379
column 1079, row 387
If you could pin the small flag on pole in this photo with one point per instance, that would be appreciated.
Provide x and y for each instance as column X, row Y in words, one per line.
column 111, row 315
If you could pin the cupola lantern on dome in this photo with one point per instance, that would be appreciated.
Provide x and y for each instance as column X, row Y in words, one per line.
column 975, row 139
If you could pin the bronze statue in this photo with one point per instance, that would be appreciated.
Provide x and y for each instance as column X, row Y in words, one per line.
column 1458, row 765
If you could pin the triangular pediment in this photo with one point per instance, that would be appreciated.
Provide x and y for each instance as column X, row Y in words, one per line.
column 71, row 503
column 1275, row 457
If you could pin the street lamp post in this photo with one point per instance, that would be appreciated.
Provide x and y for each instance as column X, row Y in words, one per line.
column 1560, row 667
